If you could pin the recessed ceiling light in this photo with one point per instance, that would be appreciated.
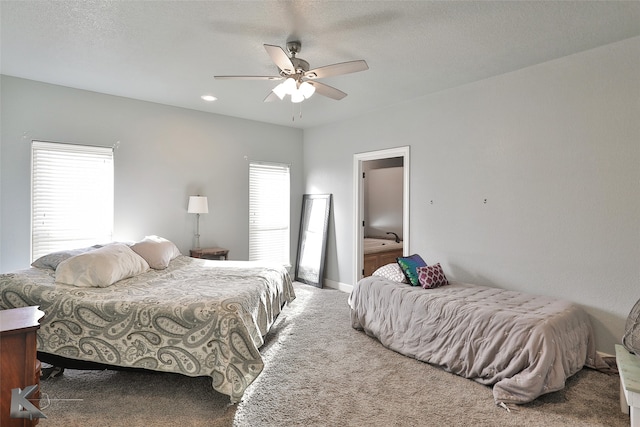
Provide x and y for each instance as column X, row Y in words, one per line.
column 209, row 98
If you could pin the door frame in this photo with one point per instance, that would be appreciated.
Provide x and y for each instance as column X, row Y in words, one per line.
column 358, row 202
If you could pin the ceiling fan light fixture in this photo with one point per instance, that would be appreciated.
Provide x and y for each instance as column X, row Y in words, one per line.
column 290, row 86
column 297, row 96
column 307, row 89
column 280, row 91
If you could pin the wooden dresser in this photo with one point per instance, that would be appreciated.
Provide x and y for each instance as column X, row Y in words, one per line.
column 19, row 367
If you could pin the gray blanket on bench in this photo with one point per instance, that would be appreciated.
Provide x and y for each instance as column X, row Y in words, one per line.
column 524, row 345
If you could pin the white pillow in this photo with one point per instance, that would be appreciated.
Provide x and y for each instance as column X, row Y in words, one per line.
column 391, row 272
column 101, row 267
column 156, row 251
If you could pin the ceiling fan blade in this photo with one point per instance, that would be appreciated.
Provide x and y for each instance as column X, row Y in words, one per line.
column 328, row 91
column 280, row 58
column 337, row 69
column 271, row 97
column 248, row 77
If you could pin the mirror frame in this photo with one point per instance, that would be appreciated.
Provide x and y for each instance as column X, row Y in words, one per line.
column 320, row 244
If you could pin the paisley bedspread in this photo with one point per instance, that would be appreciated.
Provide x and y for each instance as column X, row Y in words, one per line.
column 197, row 317
column 524, row 345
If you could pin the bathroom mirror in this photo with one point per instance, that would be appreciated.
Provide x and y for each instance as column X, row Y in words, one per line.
column 312, row 240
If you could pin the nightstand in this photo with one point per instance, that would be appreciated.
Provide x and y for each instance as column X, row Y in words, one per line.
column 209, row 253
column 20, row 367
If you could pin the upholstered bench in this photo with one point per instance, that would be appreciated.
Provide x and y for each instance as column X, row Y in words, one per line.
column 629, row 369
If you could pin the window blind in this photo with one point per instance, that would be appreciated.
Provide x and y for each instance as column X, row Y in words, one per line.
column 269, row 201
column 71, row 196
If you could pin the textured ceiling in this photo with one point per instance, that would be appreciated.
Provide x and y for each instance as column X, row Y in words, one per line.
column 168, row 51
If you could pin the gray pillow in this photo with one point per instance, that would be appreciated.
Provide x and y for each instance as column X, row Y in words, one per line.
column 54, row 258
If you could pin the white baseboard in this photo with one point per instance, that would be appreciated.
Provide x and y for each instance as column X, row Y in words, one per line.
column 344, row 287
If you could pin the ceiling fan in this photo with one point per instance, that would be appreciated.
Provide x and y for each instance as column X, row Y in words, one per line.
column 299, row 81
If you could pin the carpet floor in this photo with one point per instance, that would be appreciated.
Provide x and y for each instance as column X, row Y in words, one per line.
column 321, row 372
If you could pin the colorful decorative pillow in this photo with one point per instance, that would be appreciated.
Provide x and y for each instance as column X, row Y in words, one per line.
column 391, row 272
column 432, row 276
column 158, row 252
column 54, row 258
column 409, row 264
column 101, row 267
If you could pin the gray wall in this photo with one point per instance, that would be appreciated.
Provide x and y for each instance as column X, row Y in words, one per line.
column 164, row 155
column 555, row 151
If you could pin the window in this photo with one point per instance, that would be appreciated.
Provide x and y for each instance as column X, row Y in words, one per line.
column 71, row 196
column 269, row 188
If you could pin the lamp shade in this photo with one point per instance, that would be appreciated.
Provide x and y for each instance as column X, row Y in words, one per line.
column 307, row 89
column 297, row 96
column 198, row 205
column 280, row 91
column 289, row 86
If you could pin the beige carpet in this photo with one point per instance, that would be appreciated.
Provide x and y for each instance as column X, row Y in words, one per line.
column 321, row 372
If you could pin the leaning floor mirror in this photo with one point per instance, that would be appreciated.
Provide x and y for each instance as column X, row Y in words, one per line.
column 312, row 241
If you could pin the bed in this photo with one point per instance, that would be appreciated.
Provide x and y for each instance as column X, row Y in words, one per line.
column 194, row 317
column 524, row 345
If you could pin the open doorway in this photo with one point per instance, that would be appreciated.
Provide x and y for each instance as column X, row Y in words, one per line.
column 378, row 217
